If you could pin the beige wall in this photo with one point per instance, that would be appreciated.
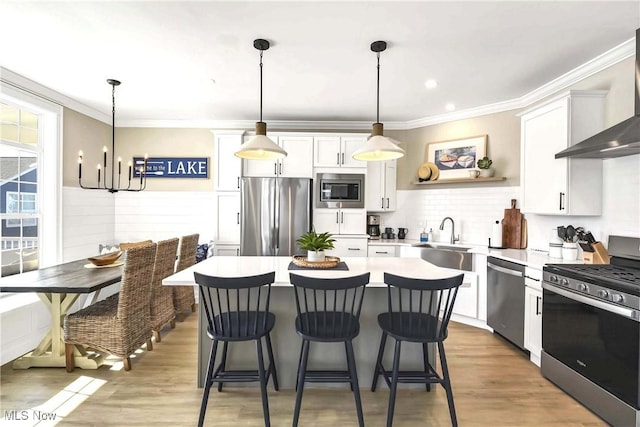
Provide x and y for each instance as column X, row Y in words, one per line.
column 503, row 145
column 503, row 129
column 81, row 132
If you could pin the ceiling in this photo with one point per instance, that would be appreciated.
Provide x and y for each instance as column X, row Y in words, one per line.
column 195, row 60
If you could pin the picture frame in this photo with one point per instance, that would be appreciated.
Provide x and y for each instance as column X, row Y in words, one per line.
column 456, row 157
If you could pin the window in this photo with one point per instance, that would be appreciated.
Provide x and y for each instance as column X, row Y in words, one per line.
column 19, row 152
column 29, row 181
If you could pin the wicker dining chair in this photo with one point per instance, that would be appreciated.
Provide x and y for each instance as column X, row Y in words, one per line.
column 120, row 325
column 183, row 296
column 162, row 310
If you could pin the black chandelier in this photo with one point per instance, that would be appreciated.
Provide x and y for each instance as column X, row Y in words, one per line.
column 141, row 168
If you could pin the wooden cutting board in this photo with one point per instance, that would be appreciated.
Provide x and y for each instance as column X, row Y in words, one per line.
column 512, row 227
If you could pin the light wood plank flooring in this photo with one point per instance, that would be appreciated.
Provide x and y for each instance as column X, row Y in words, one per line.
column 493, row 384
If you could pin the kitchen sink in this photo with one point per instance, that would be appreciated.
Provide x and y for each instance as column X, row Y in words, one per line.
column 447, row 256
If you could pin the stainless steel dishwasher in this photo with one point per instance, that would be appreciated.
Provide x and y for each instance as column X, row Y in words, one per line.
column 505, row 299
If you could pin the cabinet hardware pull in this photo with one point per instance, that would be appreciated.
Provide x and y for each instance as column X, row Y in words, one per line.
column 343, row 158
column 561, row 201
column 382, row 203
column 275, row 169
column 238, row 182
column 381, row 252
column 238, row 251
column 342, row 217
column 387, row 203
column 337, row 218
column 338, row 159
column 538, row 299
column 280, row 168
column 238, row 217
column 353, row 249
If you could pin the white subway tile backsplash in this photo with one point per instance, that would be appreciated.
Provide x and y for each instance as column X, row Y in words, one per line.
column 474, row 210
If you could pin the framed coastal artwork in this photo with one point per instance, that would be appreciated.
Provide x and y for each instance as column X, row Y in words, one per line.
column 455, row 157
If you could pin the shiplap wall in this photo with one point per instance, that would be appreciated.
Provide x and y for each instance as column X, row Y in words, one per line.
column 93, row 217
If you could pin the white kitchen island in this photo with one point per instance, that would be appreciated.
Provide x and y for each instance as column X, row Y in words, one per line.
column 286, row 343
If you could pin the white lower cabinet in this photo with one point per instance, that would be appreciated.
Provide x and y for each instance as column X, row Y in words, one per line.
column 382, row 251
column 226, row 250
column 340, row 221
column 349, row 247
column 533, row 313
column 467, row 299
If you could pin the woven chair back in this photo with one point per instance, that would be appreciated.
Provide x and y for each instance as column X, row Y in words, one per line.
column 421, row 309
column 187, row 253
column 135, row 289
column 164, row 263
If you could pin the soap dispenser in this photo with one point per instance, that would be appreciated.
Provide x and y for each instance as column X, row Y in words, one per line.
column 424, row 237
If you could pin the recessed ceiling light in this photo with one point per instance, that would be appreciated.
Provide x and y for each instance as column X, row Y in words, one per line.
column 431, row 84
column 450, row 107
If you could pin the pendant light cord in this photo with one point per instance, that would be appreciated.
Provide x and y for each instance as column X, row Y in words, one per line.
column 378, row 91
column 261, row 85
column 113, row 135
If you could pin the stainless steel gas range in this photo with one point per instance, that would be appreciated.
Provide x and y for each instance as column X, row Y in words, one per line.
column 591, row 332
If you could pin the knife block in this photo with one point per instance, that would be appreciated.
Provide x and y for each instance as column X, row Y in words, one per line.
column 598, row 256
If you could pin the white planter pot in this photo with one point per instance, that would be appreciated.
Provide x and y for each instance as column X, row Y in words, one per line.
column 486, row 173
column 569, row 251
column 313, row 256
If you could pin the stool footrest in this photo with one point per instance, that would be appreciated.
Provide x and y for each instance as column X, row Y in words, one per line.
column 320, row 376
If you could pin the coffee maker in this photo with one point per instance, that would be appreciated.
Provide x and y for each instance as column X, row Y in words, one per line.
column 373, row 226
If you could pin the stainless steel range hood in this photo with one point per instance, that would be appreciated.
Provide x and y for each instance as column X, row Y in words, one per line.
column 619, row 140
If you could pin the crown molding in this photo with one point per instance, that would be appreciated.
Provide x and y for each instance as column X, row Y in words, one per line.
column 609, row 58
column 22, row 83
column 589, row 68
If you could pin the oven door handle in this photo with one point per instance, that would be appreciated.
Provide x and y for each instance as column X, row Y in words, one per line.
column 626, row 312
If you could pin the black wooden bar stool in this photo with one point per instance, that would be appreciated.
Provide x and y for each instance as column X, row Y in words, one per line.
column 328, row 311
column 237, row 309
column 418, row 311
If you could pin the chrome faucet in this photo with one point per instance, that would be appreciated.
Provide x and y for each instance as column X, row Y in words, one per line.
column 453, row 238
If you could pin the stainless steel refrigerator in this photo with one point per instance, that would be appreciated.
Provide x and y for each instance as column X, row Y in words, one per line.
column 275, row 212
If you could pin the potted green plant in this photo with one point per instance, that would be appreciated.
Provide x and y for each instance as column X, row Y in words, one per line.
column 315, row 244
column 484, row 164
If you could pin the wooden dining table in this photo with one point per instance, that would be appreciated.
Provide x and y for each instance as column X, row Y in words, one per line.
column 58, row 287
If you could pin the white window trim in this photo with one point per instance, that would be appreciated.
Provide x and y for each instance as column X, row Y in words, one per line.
column 49, row 172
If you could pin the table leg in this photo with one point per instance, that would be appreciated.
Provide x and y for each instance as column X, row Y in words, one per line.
column 50, row 352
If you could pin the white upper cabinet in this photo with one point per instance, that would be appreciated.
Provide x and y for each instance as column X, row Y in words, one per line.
column 380, row 186
column 228, row 166
column 561, row 186
column 297, row 164
column 337, row 151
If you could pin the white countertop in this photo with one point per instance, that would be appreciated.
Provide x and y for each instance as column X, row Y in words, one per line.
column 236, row 266
column 531, row 258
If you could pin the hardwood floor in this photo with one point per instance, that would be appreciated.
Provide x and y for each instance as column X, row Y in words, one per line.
column 493, row 385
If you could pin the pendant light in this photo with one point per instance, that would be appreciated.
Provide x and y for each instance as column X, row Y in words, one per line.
column 378, row 147
column 260, row 147
column 115, row 185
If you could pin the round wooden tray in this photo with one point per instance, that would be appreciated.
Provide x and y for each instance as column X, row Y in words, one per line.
column 329, row 262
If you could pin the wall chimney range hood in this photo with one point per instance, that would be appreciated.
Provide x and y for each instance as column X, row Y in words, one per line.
column 619, row 140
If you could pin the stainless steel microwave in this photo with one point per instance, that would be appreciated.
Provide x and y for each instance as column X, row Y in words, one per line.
column 339, row 190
